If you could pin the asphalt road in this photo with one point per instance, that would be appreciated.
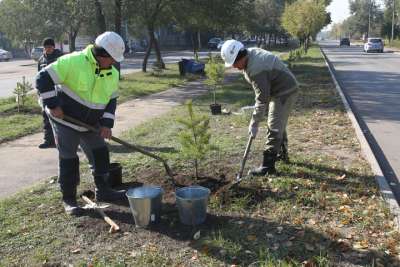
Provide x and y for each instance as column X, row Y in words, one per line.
column 371, row 83
column 12, row 72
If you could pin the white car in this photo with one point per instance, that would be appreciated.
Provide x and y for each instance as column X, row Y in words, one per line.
column 36, row 53
column 5, row 55
column 373, row 45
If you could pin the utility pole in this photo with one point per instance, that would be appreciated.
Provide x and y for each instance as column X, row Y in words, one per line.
column 369, row 18
column 394, row 6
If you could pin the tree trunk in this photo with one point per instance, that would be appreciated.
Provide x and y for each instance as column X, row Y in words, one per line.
column 158, row 51
column 118, row 17
column 101, row 21
column 194, row 44
column 196, row 169
column 147, row 55
column 118, row 4
column 199, row 39
column 72, row 38
column 269, row 40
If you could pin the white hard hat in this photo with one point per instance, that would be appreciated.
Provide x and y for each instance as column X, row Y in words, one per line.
column 113, row 44
column 229, row 51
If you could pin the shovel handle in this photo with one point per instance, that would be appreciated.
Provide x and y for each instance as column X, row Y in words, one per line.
column 114, row 226
column 126, row 144
column 244, row 159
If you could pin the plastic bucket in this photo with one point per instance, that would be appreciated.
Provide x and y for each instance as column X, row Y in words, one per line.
column 115, row 174
column 192, row 204
column 145, row 203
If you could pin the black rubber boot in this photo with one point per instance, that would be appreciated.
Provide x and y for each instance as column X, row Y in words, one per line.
column 71, row 207
column 283, row 154
column 268, row 165
column 69, row 180
column 104, row 192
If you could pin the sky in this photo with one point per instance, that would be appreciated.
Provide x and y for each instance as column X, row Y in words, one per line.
column 340, row 10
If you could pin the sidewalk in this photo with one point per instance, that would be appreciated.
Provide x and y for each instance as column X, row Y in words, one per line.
column 23, row 164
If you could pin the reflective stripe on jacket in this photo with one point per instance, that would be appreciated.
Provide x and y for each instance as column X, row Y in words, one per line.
column 76, row 84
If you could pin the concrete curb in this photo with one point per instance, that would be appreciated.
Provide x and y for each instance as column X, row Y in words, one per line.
column 384, row 187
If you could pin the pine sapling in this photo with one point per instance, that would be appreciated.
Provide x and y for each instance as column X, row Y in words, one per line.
column 215, row 75
column 194, row 137
column 21, row 91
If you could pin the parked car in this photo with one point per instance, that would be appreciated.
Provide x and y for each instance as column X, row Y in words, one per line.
column 213, row 43
column 36, row 53
column 373, row 45
column 220, row 44
column 5, row 55
column 344, row 41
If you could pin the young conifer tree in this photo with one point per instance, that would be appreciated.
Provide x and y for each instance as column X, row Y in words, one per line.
column 215, row 75
column 194, row 137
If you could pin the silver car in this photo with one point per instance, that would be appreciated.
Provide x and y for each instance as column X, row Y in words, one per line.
column 5, row 55
column 36, row 53
column 373, row 45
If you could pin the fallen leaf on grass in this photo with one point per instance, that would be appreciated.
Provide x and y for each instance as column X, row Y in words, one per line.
column 76, row 251
column 251, row 238
column 194, row 257
column 361, row 245
column 345, row 209
column 339, row 178
column 205, row 249
column 312, row 222
column 196, row 236
column 309, row 263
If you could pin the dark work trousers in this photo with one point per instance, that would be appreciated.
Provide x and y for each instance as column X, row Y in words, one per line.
column 93, row 145
column 47, row 129
column 278, row 114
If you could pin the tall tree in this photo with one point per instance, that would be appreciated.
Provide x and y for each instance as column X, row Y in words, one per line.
column 100, row 18
column 304, row 19
column 149, row 13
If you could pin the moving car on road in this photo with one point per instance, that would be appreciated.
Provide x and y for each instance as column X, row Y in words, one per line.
column 5, row 55
column 344, row 41
column 373, row 45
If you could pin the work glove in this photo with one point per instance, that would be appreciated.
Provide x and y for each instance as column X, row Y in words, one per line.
column 253, row 129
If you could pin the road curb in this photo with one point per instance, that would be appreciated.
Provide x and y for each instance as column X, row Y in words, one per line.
column 384, row 187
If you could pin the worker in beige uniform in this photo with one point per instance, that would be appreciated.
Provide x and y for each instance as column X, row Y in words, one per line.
column 275, row 89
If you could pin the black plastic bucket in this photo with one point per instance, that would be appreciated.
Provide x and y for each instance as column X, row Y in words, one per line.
column 115, row 174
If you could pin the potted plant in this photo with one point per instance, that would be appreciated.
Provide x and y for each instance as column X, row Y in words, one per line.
column 215, row 76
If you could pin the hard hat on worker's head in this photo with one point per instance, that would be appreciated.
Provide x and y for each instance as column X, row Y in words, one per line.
column 113, row 44
column 230, row 50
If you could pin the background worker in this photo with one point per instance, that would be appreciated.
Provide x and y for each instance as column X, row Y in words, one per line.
column 275, row 89
column 50, row 54
column 83, row 85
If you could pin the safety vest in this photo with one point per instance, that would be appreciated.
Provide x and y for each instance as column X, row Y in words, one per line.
column 78, row 76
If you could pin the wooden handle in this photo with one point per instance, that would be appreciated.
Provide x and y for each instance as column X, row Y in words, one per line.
column 114, row 226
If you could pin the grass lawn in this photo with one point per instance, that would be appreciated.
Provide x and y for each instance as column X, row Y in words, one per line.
column 322, row 209
column 14, row 125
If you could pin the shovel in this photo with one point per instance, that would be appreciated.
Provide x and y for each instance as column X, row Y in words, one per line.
column 239, row 176
column 92, row 205
column 126, row 144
